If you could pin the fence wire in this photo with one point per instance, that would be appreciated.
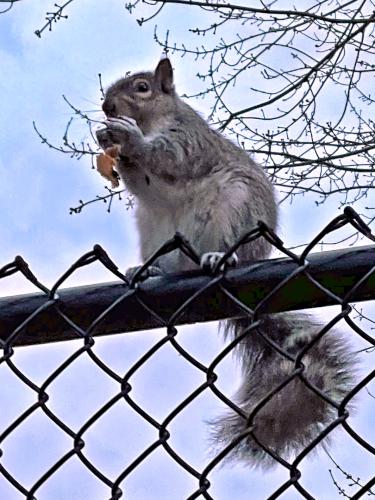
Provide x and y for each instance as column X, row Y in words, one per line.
column 53, row 315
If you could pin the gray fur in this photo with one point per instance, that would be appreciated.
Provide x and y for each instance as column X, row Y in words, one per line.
column 189, row 178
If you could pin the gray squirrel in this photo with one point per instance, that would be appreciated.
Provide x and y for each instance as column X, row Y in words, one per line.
column 189, row 178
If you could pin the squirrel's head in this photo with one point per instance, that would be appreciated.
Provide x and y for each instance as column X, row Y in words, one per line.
column 143, row 96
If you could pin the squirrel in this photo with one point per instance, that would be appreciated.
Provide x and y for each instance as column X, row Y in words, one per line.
column 189, row 178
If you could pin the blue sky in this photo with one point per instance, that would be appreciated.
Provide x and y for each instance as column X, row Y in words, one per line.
column 38, row 185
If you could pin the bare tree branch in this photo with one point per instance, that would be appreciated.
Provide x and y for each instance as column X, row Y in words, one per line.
column 218, row 6
column 352, row 481
column 53, row 17
column 8, row 5
column 107, row 198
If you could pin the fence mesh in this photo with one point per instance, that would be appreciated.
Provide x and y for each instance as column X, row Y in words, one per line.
column 52, row 309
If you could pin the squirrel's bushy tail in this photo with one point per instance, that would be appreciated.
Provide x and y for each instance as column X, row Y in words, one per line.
column 295, row 415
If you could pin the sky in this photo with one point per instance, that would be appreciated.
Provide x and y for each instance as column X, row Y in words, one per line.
column 38, row 186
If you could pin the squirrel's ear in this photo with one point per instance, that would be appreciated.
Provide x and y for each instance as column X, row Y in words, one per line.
column 164, row 75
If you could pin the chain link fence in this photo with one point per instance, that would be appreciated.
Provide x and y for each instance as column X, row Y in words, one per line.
column 336, row 278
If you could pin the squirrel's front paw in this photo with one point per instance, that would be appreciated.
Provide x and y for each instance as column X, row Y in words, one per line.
column 123, row 129
column 210, row 260
column 105, row 138
column 149, row 272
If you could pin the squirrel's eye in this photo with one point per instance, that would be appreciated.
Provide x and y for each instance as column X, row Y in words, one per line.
column 142, row 87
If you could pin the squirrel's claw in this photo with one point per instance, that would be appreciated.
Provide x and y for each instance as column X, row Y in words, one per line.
column 210, row 260
column 123, row 124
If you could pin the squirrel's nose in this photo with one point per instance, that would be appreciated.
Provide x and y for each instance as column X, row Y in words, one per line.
column 109, row 108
